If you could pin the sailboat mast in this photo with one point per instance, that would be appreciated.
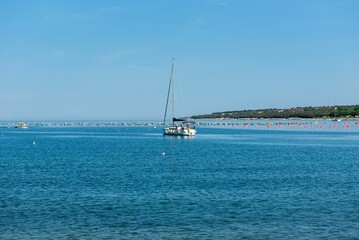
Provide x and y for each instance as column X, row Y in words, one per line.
column 169, row 91
column 173, row 91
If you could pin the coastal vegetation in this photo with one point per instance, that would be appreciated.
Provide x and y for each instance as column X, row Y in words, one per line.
column 344, row 111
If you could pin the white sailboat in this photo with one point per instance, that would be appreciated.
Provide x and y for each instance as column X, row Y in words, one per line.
column 178, row 127
column 335, row 119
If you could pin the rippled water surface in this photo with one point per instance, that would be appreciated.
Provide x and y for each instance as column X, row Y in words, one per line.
column 116, row 183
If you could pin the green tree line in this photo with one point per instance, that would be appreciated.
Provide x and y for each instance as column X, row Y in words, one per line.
column 297, row 112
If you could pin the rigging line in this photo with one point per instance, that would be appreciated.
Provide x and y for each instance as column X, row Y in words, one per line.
column 169, row 90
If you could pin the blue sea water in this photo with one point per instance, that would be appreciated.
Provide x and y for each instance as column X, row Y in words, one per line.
column 134, row 183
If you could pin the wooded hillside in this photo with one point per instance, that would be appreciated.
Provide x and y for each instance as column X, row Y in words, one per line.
column 297, row 112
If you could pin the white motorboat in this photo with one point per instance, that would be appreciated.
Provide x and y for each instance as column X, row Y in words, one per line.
column 21, row 125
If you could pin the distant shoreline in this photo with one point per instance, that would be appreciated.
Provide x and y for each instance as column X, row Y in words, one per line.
column 283, row 119
column 350, row 112
column 204, row 121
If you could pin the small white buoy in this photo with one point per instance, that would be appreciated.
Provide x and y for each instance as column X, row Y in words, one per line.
column 34, row 142
column 163, row 153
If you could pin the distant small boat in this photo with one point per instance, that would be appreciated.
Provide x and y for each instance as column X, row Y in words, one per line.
column 21, row 125
column 179, row 127
column 335, row 116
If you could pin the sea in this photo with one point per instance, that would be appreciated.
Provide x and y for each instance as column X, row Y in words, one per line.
column 131, row 182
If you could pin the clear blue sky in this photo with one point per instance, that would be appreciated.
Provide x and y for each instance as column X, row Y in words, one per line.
column 111, row 59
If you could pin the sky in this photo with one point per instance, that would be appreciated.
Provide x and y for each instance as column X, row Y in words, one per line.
column 111, row 60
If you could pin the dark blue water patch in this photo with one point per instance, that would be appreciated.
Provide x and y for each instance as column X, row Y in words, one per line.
column 114, row 183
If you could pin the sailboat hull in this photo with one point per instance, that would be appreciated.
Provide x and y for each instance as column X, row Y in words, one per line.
column 179, row 131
